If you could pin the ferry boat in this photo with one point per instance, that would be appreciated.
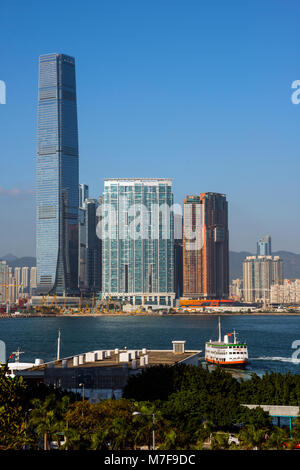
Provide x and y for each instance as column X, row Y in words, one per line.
column 226, row 353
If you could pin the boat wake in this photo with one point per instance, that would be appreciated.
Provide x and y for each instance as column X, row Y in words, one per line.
column 277, row 359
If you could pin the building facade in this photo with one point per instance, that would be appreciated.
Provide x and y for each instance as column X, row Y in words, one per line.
column 287, row 292
column 259, row 274
column 236, row 289
column 57, row 177
column 205, row 246
column 138, row 241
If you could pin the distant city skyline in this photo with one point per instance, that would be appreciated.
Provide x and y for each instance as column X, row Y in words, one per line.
column 200, row 93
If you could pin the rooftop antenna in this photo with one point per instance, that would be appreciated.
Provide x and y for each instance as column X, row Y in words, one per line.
column 58, row 345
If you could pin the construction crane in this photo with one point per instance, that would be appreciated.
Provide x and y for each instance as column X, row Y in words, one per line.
column 62, row 309
column 96, row 307
column 7, row 286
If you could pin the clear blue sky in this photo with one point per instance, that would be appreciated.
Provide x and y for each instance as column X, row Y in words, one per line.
column 195, row 90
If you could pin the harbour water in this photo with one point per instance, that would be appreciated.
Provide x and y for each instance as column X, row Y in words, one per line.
column 269, row 338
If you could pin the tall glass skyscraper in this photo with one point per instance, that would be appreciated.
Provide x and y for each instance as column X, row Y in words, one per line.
column 138, row 241
column 57, row 197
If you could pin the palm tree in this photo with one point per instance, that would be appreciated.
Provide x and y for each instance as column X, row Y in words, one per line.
column 46, row 417
column 251, row 437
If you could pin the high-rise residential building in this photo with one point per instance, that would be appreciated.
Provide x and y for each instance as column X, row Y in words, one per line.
column 57, row 177
column 236, row 289
column 18, row 275
column 25, row 279
column 89, row 268
column 11, row 286
column 264, row 246
column 4, row 282
column 205, row 246
column 18, row 281
column 259, row 274
column 32, row 278
column 287, row 292
column 138, row 241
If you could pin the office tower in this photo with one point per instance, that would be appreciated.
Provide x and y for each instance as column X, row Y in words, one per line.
column 138, row 241
column 32, row 278
column 89, row 245
column 205, row 247
column 264, row 247
column 57, row 177
column 83, row 193
column 259, row 274
column 178, row 267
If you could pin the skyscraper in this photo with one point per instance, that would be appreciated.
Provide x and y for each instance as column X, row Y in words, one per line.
column 205, row 246
column 57, row 177
column 89, row 244
column 138, row 241
column 264, row 246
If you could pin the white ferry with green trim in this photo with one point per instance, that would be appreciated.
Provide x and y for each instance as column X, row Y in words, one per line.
column 226, row 353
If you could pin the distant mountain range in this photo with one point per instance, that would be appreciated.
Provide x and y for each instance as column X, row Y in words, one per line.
column 15, row 262
column 291, row 263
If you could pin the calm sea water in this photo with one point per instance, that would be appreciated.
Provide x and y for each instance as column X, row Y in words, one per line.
column 269, row 338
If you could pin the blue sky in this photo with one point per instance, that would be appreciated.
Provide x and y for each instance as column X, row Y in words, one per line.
column 194, row 90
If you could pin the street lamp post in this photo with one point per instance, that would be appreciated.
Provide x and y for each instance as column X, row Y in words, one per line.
column 82, row 385
column 135, row 413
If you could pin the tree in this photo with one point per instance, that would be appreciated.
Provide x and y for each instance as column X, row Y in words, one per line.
column 250, row 437
column 219, row 440
column 12, row 415
column 276, row 439
column 47, row 418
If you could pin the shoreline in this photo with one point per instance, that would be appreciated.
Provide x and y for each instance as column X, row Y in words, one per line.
column 181, row 314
